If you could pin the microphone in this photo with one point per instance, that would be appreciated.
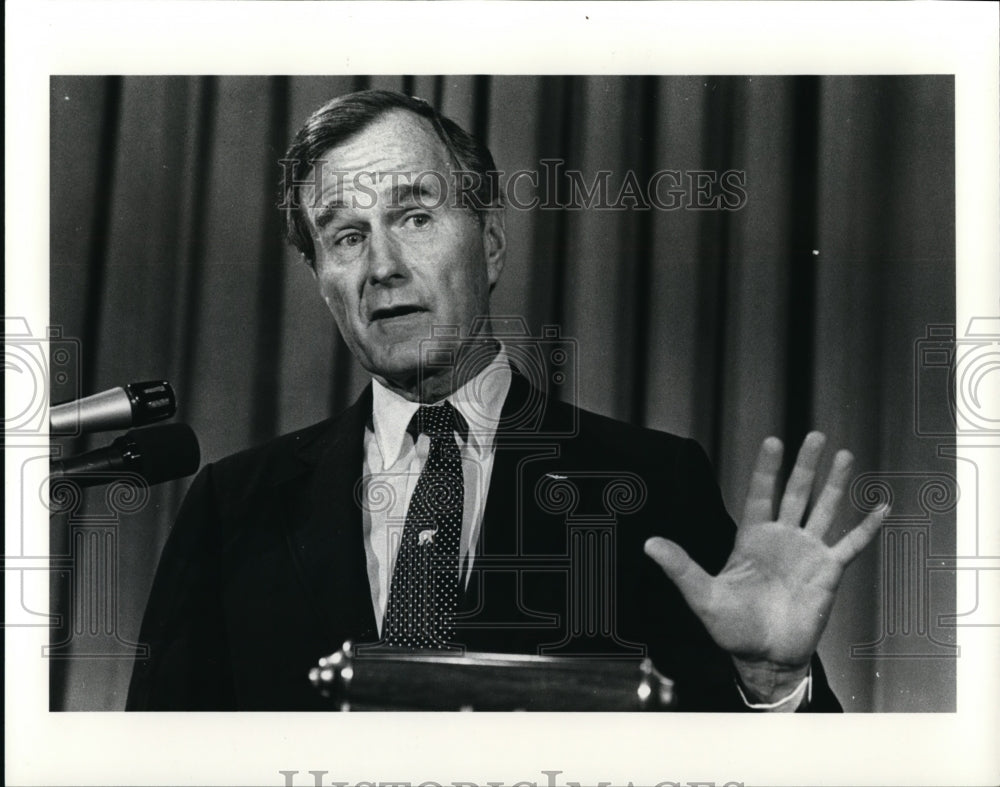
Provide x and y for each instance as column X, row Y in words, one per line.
column 135, row 404
column 157, row 454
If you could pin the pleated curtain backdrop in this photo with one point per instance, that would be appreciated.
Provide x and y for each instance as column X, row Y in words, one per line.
column 799, row 310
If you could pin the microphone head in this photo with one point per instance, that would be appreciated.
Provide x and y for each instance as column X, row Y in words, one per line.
column 161, row 453
column 151, row 401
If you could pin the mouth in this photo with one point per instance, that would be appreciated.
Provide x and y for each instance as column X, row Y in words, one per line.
column 394, row 312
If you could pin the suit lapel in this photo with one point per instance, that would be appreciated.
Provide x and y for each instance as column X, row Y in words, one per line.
column 532, row 437
column 502, row 610
column 499, row 534
column 324, row 526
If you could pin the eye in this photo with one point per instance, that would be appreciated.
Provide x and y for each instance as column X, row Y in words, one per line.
column 350, row 239
column 418, row 220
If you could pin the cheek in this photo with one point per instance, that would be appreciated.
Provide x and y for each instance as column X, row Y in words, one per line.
column 337, row 298
column 466, row 277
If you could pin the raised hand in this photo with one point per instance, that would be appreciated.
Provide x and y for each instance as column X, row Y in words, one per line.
column 770, row 603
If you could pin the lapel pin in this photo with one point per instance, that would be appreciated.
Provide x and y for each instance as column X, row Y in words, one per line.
column 425, row 537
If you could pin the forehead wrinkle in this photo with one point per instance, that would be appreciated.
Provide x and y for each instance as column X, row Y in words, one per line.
column 403, row 192
column 399, row 141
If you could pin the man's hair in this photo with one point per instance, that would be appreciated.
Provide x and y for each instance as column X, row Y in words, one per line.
column 340, row 119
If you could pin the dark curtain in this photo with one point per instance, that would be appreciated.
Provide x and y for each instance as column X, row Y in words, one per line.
column 799, row 309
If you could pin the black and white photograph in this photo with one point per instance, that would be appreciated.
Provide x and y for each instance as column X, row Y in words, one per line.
column 625, row 397
column 720, row 259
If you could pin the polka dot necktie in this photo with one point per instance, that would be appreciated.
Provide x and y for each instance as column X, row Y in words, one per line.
column 423, row 595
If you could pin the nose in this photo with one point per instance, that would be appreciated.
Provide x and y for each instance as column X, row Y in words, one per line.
column 386, row 265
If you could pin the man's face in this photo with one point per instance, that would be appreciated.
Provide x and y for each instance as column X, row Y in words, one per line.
column 394, row 253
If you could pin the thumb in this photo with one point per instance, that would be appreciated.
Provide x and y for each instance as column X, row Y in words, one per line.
column 691, row 579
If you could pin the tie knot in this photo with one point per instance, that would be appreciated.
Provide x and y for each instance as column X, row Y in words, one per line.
column 438, row 420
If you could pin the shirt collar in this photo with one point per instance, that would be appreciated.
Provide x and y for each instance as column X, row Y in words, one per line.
column 480, row 402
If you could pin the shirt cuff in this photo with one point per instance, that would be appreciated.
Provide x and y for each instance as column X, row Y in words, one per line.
column 797, row 700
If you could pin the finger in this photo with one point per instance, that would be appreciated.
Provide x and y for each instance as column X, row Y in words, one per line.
column 800, row 482
column 760, row 497
column 825, row 510
column 690, row 578
column 850, row 546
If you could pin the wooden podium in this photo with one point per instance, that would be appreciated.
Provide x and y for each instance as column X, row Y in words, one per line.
column 381, row 679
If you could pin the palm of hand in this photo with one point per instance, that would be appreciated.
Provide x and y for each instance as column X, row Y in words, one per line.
column 772, row 599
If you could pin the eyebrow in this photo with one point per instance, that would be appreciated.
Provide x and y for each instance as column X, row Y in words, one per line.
column 327, row 212
column 410, row 192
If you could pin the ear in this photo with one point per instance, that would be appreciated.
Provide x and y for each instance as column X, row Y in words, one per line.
column 494, row 244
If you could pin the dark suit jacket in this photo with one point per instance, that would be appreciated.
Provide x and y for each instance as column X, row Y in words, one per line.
column 265, row 569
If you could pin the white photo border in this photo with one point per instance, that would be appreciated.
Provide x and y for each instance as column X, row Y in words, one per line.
column 46, row 38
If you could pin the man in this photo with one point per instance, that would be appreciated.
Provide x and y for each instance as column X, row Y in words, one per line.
column 439, row 510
